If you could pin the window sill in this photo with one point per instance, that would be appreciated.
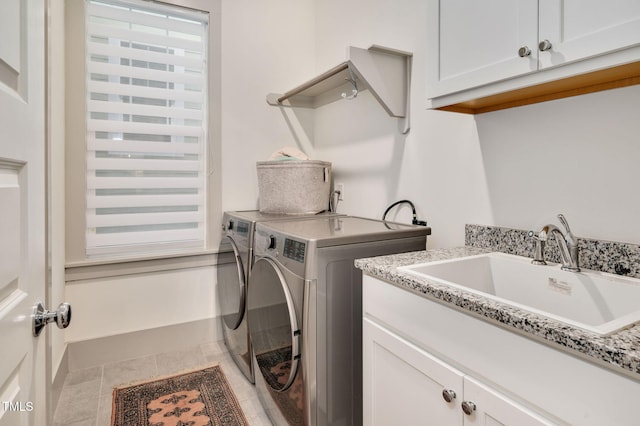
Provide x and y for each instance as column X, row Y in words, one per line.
column 105, row 268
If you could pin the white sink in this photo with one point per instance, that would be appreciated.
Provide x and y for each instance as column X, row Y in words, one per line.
column 594, row 301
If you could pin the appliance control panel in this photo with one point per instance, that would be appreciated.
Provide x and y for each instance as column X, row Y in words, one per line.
column 238, row 227
column 294, row 250
column 238, row 230
column 277, row 245
column 242, row 228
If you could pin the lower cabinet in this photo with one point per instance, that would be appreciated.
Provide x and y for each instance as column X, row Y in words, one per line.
column 423, row 360
column 405, row 385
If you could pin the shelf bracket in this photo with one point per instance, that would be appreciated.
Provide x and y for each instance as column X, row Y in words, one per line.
column 354, row 92
column 385, row 72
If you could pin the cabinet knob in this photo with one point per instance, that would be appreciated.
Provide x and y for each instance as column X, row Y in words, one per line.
column 524, row 51
column 448, row 395
column 544, row 45
column 468, row 407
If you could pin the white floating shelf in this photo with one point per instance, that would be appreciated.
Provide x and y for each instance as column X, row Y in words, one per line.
column 385, row 72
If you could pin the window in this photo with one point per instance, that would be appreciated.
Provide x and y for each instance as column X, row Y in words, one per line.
column 146, row 127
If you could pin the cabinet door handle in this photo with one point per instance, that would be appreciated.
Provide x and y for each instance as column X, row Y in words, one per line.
column 544, row 45
column 468, row 407
column 524, row 51
column 448, row 395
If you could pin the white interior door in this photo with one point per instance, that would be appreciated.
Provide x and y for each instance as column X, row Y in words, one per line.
column 22, row 210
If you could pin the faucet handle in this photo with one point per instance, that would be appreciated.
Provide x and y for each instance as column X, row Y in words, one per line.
column 538, row 257
column 540, row 236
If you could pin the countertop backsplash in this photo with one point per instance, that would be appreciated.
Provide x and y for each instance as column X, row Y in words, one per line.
column 596, row 255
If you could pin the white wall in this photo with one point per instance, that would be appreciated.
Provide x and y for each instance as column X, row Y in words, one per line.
column 516, row 168
column 112, row 306
column 578, row 156
column 267, row 46
column 438, row 165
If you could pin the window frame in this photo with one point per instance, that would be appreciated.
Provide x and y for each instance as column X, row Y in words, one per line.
column 75, row 147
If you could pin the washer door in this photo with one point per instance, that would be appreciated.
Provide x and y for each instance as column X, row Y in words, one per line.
column 273, row 326
column 231, row 288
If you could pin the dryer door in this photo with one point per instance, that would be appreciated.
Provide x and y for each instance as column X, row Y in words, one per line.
column 273, row 325
column 231, row 287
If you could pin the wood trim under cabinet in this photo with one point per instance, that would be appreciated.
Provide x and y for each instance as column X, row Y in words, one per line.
column 596, row 81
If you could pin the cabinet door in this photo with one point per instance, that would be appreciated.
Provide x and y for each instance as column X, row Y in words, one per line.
column 473, row 43
column 578, row 29
column 493, row 409
column 403, row 384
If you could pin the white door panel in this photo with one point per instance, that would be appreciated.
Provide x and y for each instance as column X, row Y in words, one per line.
column 10, row 55
column 479, row 42
column 494, row 408
column 578, row 29
column 403, row 385
column 22, row 210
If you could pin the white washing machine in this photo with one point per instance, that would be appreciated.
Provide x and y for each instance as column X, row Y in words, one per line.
column 305, row 313
column 233, row 278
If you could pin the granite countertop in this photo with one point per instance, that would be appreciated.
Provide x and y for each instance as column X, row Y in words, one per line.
column 619, row 351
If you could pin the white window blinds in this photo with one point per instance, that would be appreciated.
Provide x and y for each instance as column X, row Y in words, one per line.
column 146, row 120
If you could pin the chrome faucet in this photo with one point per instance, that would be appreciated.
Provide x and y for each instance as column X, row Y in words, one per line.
column 567, row 243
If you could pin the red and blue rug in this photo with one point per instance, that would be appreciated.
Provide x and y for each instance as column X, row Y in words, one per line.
column 197, row 398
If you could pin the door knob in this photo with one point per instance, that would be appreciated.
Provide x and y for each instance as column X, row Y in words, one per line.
column 42, row 317
column 544, row 45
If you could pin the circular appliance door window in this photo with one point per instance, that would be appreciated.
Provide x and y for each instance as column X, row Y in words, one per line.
column 273, row 326
column 231, row 288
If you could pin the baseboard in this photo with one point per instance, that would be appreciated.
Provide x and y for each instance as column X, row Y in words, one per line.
column 95, row 352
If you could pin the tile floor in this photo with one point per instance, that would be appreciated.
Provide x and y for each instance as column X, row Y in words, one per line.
column 86, row 394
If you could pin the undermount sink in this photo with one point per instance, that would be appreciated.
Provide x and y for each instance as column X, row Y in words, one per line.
column 594, row 301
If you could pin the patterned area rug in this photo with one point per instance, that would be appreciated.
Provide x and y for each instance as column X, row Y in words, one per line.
column 198, row 398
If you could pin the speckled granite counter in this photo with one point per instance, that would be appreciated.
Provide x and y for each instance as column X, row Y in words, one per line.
column 620, row 351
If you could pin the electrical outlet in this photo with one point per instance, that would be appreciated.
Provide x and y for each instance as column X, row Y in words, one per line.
column 340, row 188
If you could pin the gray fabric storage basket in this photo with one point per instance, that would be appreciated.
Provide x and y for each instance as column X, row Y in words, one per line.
column 294, row 187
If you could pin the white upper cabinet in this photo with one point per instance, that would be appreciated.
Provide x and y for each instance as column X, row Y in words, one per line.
column 578, row 29
column 476, row 42
column 478, row 49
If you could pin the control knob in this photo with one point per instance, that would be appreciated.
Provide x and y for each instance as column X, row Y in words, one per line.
column 271, row 242
column 264, row 242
